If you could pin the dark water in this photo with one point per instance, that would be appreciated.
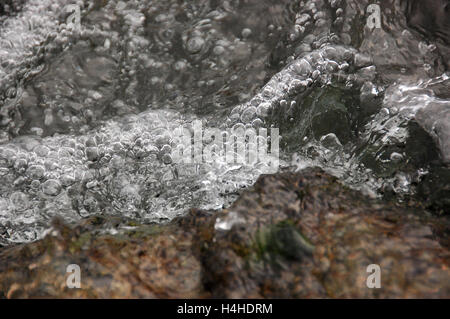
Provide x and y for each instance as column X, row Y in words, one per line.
column 87, row 114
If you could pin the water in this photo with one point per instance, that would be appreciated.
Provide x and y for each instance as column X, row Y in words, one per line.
column 88, row 115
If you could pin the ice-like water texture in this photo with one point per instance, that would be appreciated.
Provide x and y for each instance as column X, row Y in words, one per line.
column 88, row 129
column 88, row 115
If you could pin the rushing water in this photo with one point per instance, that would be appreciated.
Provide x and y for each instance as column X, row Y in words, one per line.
column 87, row 114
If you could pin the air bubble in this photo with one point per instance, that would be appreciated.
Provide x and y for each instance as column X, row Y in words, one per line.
column 20, row 201
column 51, row 187
column 303, row 68
column 246, row 33
column 35, row 171
column 263, row 109
column 218, row 50
column 248, row 114
column 195, row 44
column 180, row 66
column 92, row 153
column 331, row 141
column 396, row 157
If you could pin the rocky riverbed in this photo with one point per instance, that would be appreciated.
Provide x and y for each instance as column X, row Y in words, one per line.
column 92, row 93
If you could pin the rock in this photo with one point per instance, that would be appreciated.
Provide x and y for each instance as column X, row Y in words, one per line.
column 435, row 119
column 431, row 18
column 300, row 235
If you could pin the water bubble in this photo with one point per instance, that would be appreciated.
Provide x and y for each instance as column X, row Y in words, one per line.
column 20, row 201
column 20, row 165
column 263, row 109
column 246, row 33
column 302, row 19
column 90, row 203
column 35, row 184
column 303, row 67
column 396, row 157
column 180, row 66
column 257, row 123
column 218, row 50
column 331, row 141
column 195, row 44
column 332, row 66
column 248, row 114
column 41, row 150
column 35, row 171
column 167, row 159
column 51, row 187
column 92, row 153
column 4, row 207
column 20, row 180
column 362, row 60
column 3, row 171
column 166, row 149
column 239, row 127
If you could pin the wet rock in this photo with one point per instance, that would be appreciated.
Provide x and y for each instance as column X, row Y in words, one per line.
column 297, row 235
column 431, row 18
column 435, row 119
column 434, row 189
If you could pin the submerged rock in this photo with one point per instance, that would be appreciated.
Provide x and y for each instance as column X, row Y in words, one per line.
column 294, row 235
